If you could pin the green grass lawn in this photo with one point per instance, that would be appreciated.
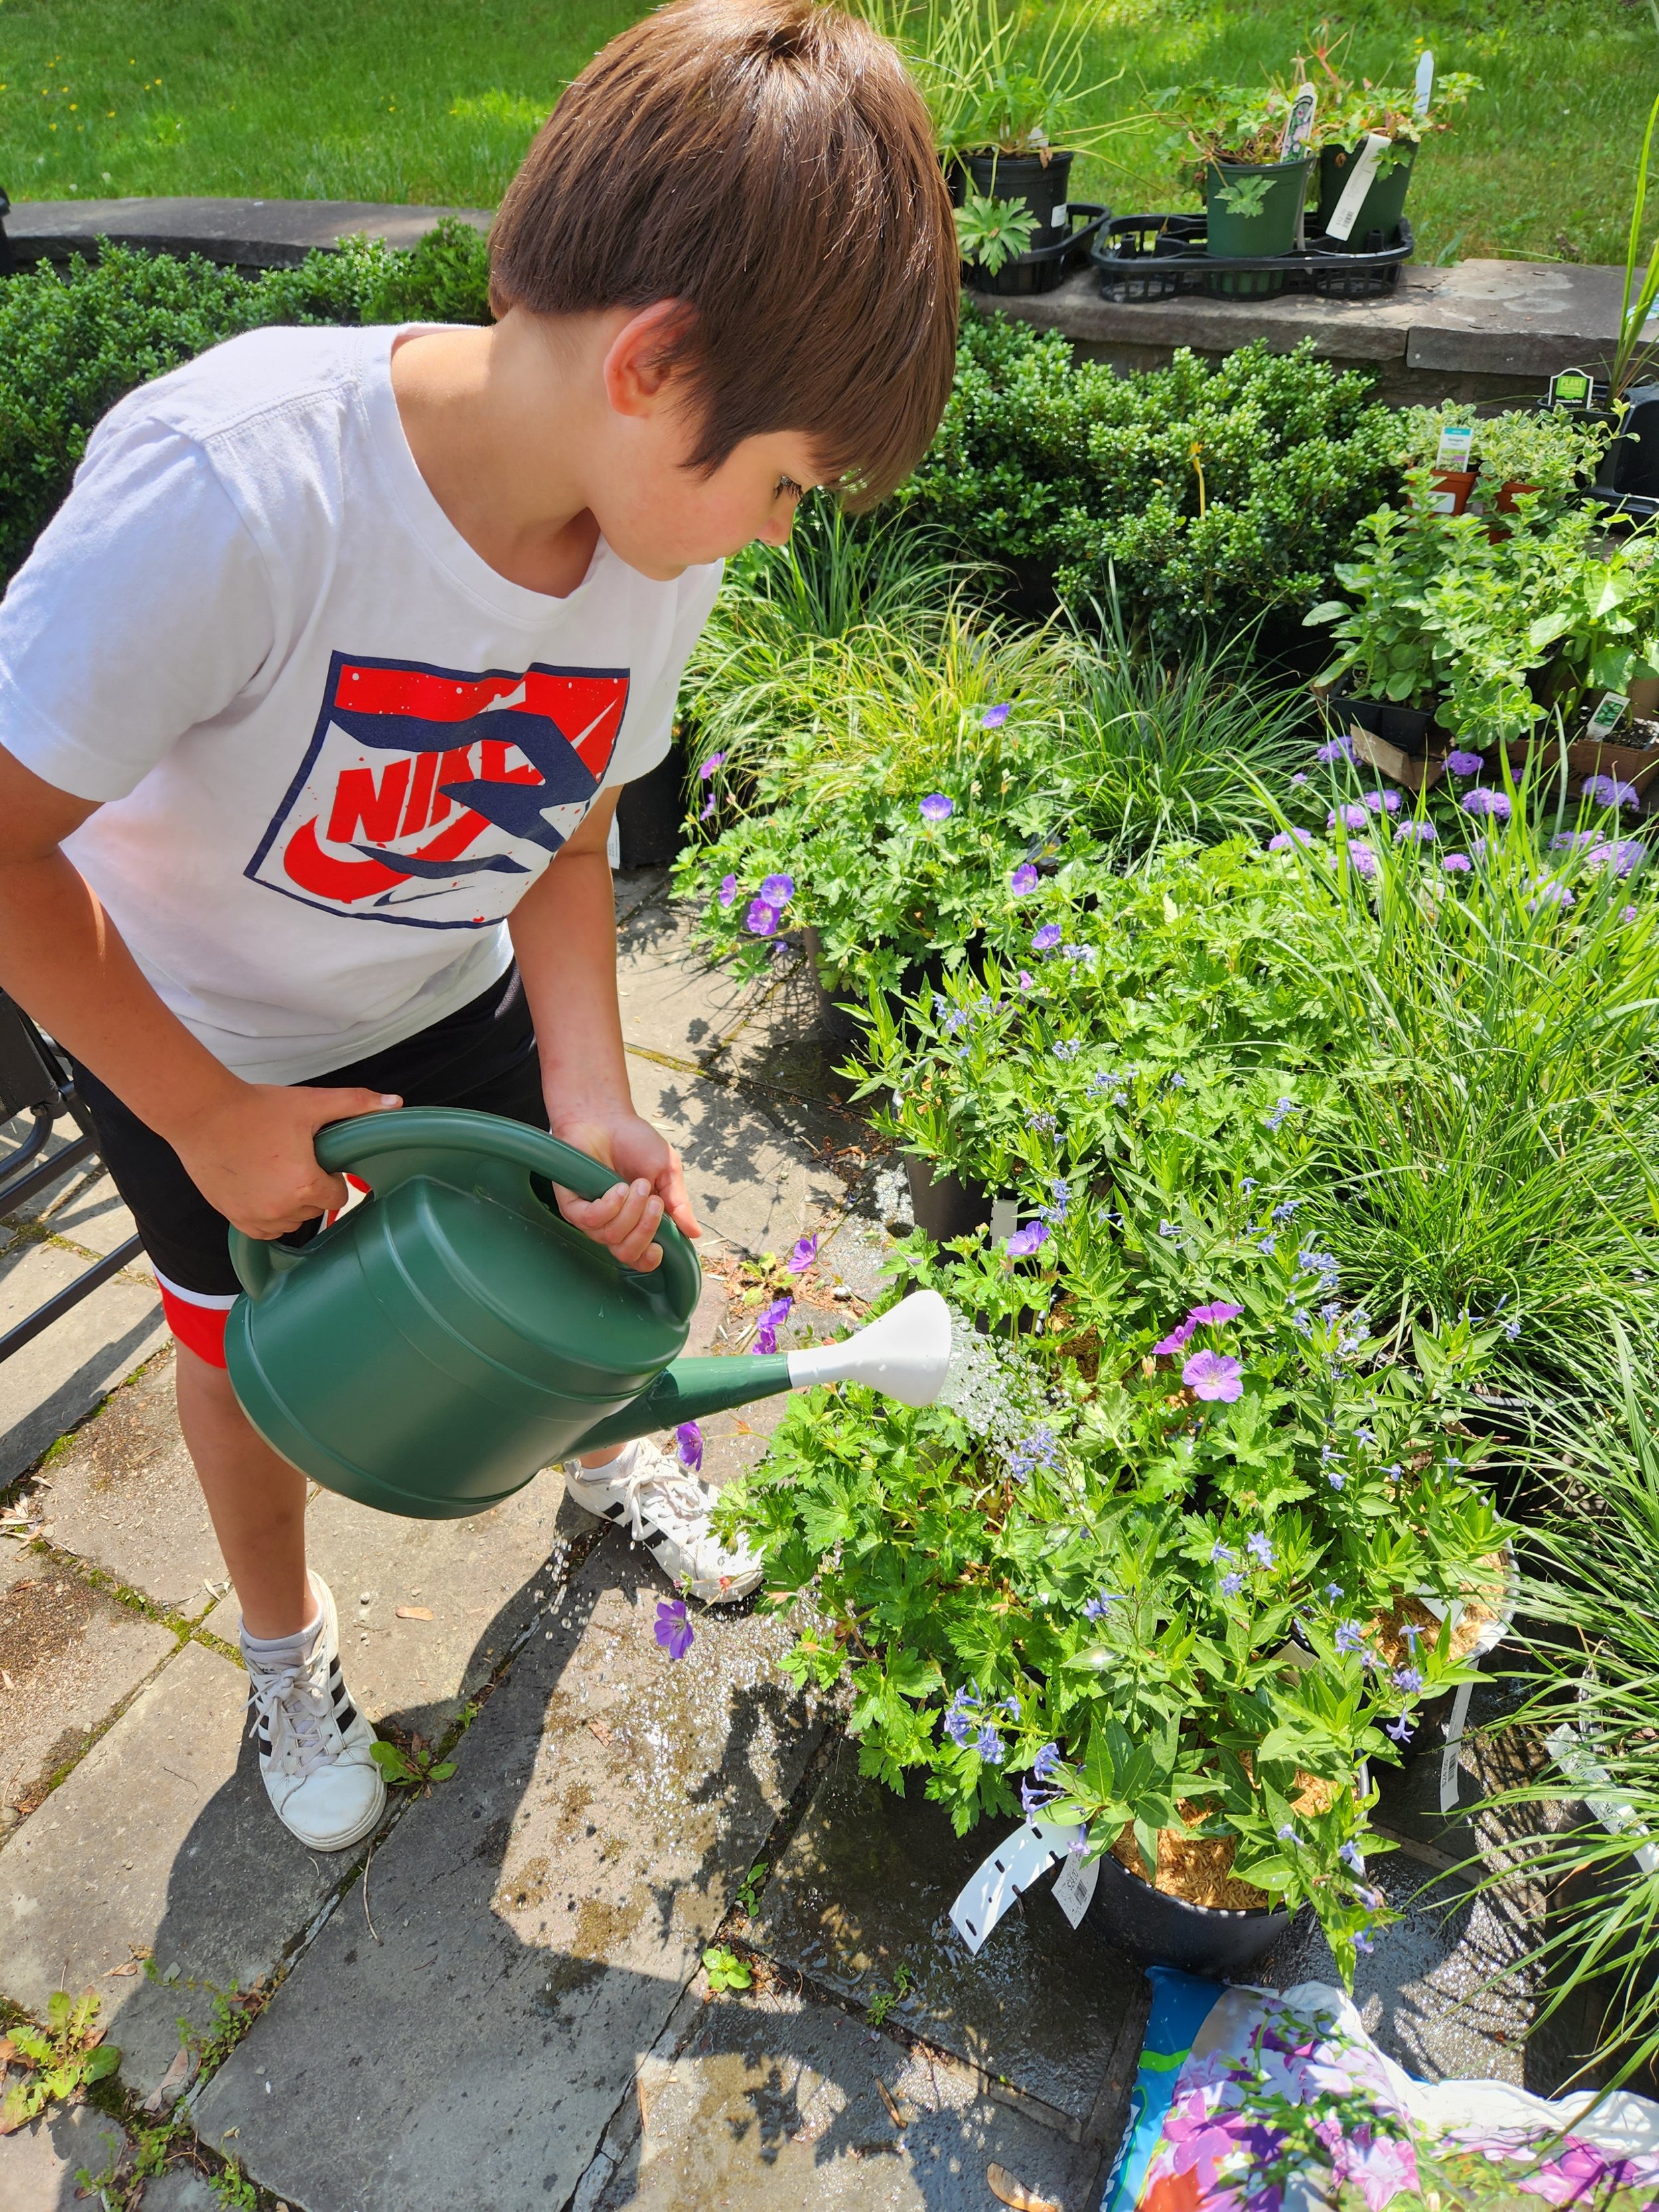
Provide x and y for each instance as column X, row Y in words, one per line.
column 436, row 100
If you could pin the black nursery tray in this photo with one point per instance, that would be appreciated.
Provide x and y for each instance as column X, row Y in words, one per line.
column 1157, row 257
column 1044, row 266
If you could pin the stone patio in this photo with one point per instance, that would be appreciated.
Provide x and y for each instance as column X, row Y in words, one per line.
column 499, row 2004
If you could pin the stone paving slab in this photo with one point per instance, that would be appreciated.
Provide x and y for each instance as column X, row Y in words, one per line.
column 750, row 1189
column 57, row 1381
column 123, row 1496
column 161, row 1836
column 775, row 2100
column 672, row 998
column 84, row 1206
column 68, row 1657
column 535, row 1920
column 866, row 1885
column 38, row 2164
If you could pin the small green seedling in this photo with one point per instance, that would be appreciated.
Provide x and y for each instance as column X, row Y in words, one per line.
column 412, row 1769
column 991, row 231
column 749, row 1896
column 903, row 1979
column 725, row 1970
column 61, row 2061
column 880, row 2006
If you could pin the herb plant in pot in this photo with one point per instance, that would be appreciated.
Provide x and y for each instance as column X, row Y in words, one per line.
column 1253, row 196
column 1349, row 115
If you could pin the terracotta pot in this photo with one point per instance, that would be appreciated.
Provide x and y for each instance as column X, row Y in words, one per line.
column 1451, row 490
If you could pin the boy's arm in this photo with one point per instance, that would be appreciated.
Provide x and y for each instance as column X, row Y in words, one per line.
column 248, row 1147
column 565, row 933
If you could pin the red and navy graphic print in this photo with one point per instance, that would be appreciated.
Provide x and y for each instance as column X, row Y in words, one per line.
column 429, row 796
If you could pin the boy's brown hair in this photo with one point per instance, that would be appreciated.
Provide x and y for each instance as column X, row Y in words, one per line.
column 769, row 163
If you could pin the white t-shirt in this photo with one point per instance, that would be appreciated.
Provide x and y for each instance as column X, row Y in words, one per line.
column 335, row 747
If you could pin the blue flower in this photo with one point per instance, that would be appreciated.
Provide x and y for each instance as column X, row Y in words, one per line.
column 990, row 1747
column 1350, row 1637
column 1260, row 1548
column 936, row 807
column 1333, row 1591
column 1352, row 1855
column 1399, row 1730
column 1038, row 1449
column 1337, row 1482
column 1362, row 1941
column 1281, row 1114
column 1231, row 1584
column 1407, row 1680
column 1287, row 1835
column 994, row 717
column 1218, row 1551
column 1284, row 1209
column 1068, row 1049
column 1095, row 1608
column 1046, row 1765
column 961, row 1716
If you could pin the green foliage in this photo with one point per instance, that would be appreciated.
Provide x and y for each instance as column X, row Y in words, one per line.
column 416, row 1768
column 59, row 2062
column 748, row 1893
column 1211, row 494
column 74, row 339
column 990, row 232
column 725, row 1970
column 1553, row 452
column 1008, row 78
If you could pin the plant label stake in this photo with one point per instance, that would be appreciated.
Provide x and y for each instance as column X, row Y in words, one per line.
column 1004, row 1218
column 1299, row 126
column 1425, row 83
column 1346, row 213
column 1609, row 713
column 1074, row 1886
column 1013, row 1867
column 1457, row 443
column 1571, row 387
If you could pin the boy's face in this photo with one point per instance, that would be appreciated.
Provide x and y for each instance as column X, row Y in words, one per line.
column 663, row 517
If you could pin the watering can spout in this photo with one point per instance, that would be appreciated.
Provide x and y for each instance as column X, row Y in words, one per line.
column 906, row 1355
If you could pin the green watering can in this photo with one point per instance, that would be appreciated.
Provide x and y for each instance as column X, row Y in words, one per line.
column 451, row 1336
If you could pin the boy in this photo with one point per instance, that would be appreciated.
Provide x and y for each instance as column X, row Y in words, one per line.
column 316, row 695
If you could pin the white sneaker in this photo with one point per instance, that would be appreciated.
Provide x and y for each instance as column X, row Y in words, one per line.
column 314, row 1743
column 666, row 1509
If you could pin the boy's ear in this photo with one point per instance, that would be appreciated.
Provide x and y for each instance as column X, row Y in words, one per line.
column 646, row 354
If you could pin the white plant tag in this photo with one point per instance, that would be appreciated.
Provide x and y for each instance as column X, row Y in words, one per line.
column 1456, row 444
column 1074, row 1885
column 1061, row 216
column 1424, row 82
column 1004, row 1218
column 1298, row 125
column 1451, row 1772
column 1609, row 713
column 1346, row 213
column 1013, row 1866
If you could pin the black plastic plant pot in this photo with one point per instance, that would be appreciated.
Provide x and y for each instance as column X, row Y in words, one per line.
column 1407, row 727
column 1046, row 266
column 651, row 814
column 1630, row 464
column 1157, row 1929
column 942, row 1203
column 1043, row 186
column 829, row 989
column 1385, row 200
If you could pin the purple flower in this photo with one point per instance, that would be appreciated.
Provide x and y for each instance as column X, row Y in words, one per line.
column 805, row 1251
column 1024, row 1241
column 990, row 1747
column 1176, row 1340
column 1362, row 1941
column 713, row 761
column 1046, row 938
column 1409, row 1680
column 688, row 1439
column 1363, row 856
column 1260, row 1548
column 1457, row 863
column 1379, row 802
column 1024, row 878
column 936, row 807
column 1482, row 801
column 960, row 1716
column 1287, row 1835
column 1218, row 1551
column 1338, row 749
column 771, row 1319
column 1337, row 1482
column 1350, row 1637
column 1608, row 791
column 728, row 890
column 1299, row 777
column 778, row 890
column 1231, row 1584
column 1399, row 1730
column 1463, row 764
column 1287, row 838
column 1213, row 1314
column 1415, row 832
column 1551, row 894
column 1627, row 913
column 1276, row 1120
column 1213, row 1375
column 761, row 920
column 1352, row 1855
column 1351, row 817
column 1095, row 1608
column 1621, row 854
column 994, row 717
column 707, row 810
column 673, row 1630
column 1027, row 981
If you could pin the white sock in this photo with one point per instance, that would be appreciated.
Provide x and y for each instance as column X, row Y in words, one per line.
column 283, row 1651
column 614, row 1470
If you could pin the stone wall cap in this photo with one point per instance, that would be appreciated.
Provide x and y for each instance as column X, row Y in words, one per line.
column 252, row 234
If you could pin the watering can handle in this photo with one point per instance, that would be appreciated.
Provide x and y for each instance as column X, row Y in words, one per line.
column 376, row 1142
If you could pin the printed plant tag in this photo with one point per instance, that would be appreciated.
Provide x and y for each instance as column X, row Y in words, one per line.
column 1442, row 502
column 1609, row 713
column 1456, row 444
column 1004, row 1218
column 1571, row 387
column 1061, row 216
column 1425, row 83
column 1346, row 213
column 1013, row 1866
column 1074, row 1885
column 1298, row 125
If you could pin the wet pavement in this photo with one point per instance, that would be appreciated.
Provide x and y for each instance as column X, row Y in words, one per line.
column 500, row 2003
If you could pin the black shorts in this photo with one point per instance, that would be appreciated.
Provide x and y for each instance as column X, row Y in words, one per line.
column 481, row 1056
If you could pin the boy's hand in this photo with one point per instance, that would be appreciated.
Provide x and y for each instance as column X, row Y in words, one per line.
column 253, row 1152
column 626, row 1218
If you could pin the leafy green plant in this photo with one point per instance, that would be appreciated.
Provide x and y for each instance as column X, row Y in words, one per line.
column 1223, row 123
column 725, row 1970
column 416, row 1768
column 881, row 2008
column 1634, row 356
column 59, row 2062
column 1551, row 452
column 753, row 1883
column 991, row 232
column 1008, row 78
column 1244, row 196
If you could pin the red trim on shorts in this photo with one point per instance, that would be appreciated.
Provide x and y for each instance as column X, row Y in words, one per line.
column 202, row 1328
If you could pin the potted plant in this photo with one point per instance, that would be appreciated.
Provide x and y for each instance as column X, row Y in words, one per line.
column 1551, row 455
column 1350, row 113
column 1231, row 143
